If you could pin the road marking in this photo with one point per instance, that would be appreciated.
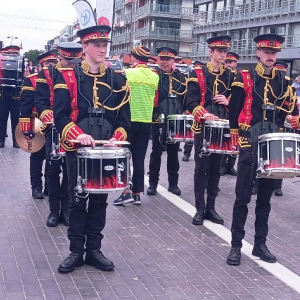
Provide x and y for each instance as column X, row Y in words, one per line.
column 278, row 270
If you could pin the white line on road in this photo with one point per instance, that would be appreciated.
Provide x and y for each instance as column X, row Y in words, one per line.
column 281, row 272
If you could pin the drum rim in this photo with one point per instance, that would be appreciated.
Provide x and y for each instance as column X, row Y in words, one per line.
column 218, row 123
column 179, row 117
column 278, row 136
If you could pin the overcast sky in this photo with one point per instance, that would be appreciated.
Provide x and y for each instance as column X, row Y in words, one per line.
column 34, row 22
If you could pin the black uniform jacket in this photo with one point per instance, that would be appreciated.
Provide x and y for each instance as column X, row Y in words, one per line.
column 171, row 92
column 246, row 104
column 199, row 96
column 27, row 97
column 106, row 89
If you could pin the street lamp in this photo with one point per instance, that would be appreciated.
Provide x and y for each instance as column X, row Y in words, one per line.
column 12, row 38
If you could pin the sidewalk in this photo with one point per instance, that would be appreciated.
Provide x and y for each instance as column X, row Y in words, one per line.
column 157, row 251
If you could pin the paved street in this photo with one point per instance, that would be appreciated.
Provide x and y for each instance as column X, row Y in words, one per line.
column 157, row 251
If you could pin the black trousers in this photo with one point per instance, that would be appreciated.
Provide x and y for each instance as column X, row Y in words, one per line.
column 187, row 149
column 155, row 159
column 8, row 105
column 36, row 167
column 278, row 183
column 139, row 139
column 228, row 161
column 247, row 165
column 87, row 214
column 207, row 168
column 57, row 188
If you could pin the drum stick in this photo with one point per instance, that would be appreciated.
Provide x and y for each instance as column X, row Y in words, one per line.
column 104, row 142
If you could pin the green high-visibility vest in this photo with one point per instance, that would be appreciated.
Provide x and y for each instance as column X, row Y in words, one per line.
column 143, row 84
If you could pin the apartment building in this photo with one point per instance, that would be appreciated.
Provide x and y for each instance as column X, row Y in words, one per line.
column 243, row 20
column 154, row 24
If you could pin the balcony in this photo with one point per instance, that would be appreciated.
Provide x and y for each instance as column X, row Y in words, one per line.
column 170, row 34
column 119, row 4
column 121, row 39
column 127, row 19
column 248, row 12
column 169, row 11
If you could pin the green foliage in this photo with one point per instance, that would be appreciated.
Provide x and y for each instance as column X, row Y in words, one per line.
column 32, row 55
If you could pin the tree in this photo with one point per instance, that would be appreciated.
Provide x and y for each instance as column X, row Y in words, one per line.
column 32, row 55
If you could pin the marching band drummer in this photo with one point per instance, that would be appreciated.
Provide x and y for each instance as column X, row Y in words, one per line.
column 228, row 160
column 169, row 101
column 69, row 55
column 251, row 112
column 89, row 99
column 27, row 110
column 208, row 93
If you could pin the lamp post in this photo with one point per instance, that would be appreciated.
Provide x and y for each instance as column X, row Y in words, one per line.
column 12, row 38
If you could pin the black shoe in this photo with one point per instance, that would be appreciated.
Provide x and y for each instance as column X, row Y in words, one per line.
column 69, row 264
column 223, row 170
column 231, row 171
column 37, row 193
column 254, row 190
column 64, row 217
column 234, row 257
column 263, row 253
column 213, row 216
column 198, row 218
column 278, row 192
column 15, row 145
column 180, row 149
column 53, row 218
column 6, row 135
column 97, row 259
column 2, row 144
column 185, row 157
column 151, row 191
column 174, row 189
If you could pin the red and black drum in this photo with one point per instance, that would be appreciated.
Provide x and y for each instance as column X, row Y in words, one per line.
column 278, row 155
column 179, row 128
column 11, row 70
column 216, row 137
column 102, row 169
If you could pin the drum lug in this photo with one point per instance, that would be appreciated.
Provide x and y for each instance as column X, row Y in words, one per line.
column 204, row 146
column 78, row 187
column 53, row 150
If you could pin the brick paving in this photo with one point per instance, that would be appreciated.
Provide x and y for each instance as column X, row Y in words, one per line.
column 157, row 251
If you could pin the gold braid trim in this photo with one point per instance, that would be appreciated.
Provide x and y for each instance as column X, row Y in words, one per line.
column 66, row 130
column 192, row 79
column 234, row 131
column 61, row 86
column 122, row 130
column 44, row 113
column 32, row 75
column 124, row 100
column 27, row 88
column 239, row 84
column 24, row 119
column 244, row 126
column 243, row 141
column 210, row 68
column 41, row 80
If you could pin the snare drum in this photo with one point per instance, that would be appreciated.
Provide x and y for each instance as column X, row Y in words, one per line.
column 103, row 169
column 278, row 155
column 216, row 137
column 179, row 128
column 56, row 149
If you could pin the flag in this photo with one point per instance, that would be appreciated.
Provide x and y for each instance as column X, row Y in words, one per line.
column 21, row 46
column 85, row 14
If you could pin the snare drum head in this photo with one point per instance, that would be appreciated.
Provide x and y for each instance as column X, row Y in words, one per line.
column 217, row 123
column 103, row 152
column 180, row 117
